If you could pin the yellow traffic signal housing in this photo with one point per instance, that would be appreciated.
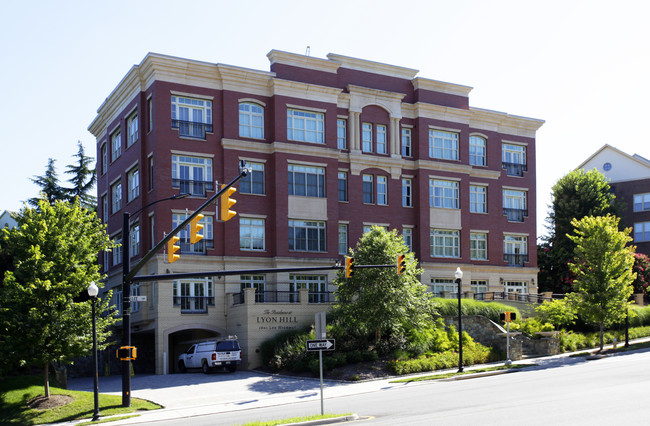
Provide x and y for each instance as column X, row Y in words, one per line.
column 195, row 227
column 227, row 203
column 126, row 353
column 401, row 264
column 349, row 266
column 508, row 316
column 172, row 248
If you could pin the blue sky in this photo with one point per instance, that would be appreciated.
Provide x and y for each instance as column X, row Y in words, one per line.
column 582, row 66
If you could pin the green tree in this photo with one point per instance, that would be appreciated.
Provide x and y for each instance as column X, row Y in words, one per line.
column 54, row 250
column 49, row 184
column 576, row 195
column 376, row 306
column 82, row 180
column 603, row 269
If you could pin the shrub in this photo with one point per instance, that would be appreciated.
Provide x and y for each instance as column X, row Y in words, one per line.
column 354, row 357
column 286, row 349
column 491, row 310
column 639, row 316
column 557, row 312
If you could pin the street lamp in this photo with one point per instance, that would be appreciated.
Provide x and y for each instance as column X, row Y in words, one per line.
column 459, row 276
column 93, row 290
column 126, row 297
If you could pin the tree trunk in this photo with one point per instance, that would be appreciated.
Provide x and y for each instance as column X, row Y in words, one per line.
column 601, row 336
column 46, row 379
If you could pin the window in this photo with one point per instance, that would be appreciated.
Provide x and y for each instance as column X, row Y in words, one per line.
column 438, row 285
column 116, row 145
column 105, row 208
column 251, row 234
column 343, row 186
column 305, row 126
column 341, row 133
column 381, row 139
column 382, row 190
column 445, row 243
column 317, row 285
column 193, row 295
column 306, row 181
column 116, row 196
column 258, row 282
column 307, row 236
column 343, row 238
column 478, row 246
column 134, row 240
column 104, row 158
column 251, row 120
column 477, row 151
column 253, row 183
column 443, row 194
column 200, row 247
column 150, row 111
column 516, row 287
column 117, row 251
column 514, row 205
column 192, row 175
column 514, row 159
column 642, row 231
column 132, row 127
column 366, row 137
column 368, row 189
column 641, row 202
column 192, row 117
column 443, row 145
column 406, row 142
column 515, row 250
column 479, row 286
column 106, row 258
column 151, row 173
column 477, row 199
column 133, row 177
column 135, row 291
column 407, row 191
column 152, row 231
column 117, row 294
column 407, row 234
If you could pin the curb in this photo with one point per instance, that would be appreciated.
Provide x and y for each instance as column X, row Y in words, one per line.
column 350, row 418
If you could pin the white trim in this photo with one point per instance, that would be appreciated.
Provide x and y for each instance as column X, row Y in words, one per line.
column 304, row 108
column 191, row 95
column 252, row 101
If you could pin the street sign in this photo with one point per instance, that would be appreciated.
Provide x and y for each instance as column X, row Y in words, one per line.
column 138, row 298
column 320, row 325
column 320, row 345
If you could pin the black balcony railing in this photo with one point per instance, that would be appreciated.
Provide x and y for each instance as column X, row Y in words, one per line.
column 514, row 169
column 193, row 304
column 198, row 188
column 196, row 248
column 191, row 129
column 285, row 297
column 515, row 215
column 515, row 259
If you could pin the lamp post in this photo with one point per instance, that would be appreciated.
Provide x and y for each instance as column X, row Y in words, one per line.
column 459, row 276
column 126, row 296
column 93, row 290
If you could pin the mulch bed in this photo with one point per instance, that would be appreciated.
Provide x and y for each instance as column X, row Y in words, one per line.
column 43, row 403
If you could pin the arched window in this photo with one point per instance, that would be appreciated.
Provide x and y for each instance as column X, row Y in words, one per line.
column 251, row 120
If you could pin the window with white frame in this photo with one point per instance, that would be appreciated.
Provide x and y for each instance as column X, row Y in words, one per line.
column 406, row 142
column 105, row 208
column 343, row 238
column 479, row 286
column 200, row 247
column 641, row 231
column 192, row 117
column 368, row 190
column 445, row 243
column 251, row 120
column 407, row 192
column 253, row 182
column 381, row 139
column 116, row 145
column 104, row 158
column 305, row 126
column 106, row 260
column 478, row 199
column 151, row 173
column 477, row 151
column 407, row 235
column 133, row 180
column 193, row 295
column 116, row 196
column 117, row 301
column 117, row 250
column 307, row 235
column 341, row 133
column 478, row 246
column 443, row 194
column 516, row 287
column 366, row 137
column 641, row 202
column 439, row 285
column 152, row 230
column 316, row 284
column 443, row 144
column 514, row 159
column 251, row 234
column 382, row 190
column 514, row 205
column 343, row 186
column 134, row 240
column 132, row 127
column 258, row 282
column 515, row 249
column 150, row 111
column 306, row 181
column 135, row 291
column 192, row 175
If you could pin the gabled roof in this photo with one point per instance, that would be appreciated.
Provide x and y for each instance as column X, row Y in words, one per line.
column 617, row 165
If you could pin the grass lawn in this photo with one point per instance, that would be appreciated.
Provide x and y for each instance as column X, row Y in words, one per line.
column 15, row 392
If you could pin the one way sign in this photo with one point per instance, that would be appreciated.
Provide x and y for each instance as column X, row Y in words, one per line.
column 320, row 345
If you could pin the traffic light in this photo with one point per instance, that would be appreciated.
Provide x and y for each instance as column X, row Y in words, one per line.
column 172, row 248
column 508, row 316
column 126, row 353
column 349, row 266
column 401, row 264
column 227, row 203
column 195, row 227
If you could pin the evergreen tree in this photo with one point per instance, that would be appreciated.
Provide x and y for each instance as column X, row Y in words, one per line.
column 50, row 188
column 83, row 180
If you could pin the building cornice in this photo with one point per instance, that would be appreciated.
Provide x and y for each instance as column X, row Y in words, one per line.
column 420, row 83
column 302, row 61
column 373, row 67
column 306, row 91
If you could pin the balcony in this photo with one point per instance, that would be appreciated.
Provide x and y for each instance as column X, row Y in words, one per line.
column 514, row 259
column 197, row 188
column 193, row 304
column 514, row 169
column 196, row 248
column 275, row 296
column 515, row 215
column 191, row 129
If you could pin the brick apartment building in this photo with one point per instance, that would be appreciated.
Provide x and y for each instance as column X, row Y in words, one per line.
column 336, row 145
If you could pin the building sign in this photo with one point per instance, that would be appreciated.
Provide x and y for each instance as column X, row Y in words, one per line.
column 272, row 319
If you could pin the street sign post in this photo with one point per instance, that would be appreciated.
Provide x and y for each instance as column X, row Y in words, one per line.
column 320, row 345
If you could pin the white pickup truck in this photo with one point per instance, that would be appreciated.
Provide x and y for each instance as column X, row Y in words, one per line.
column 224, row 354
